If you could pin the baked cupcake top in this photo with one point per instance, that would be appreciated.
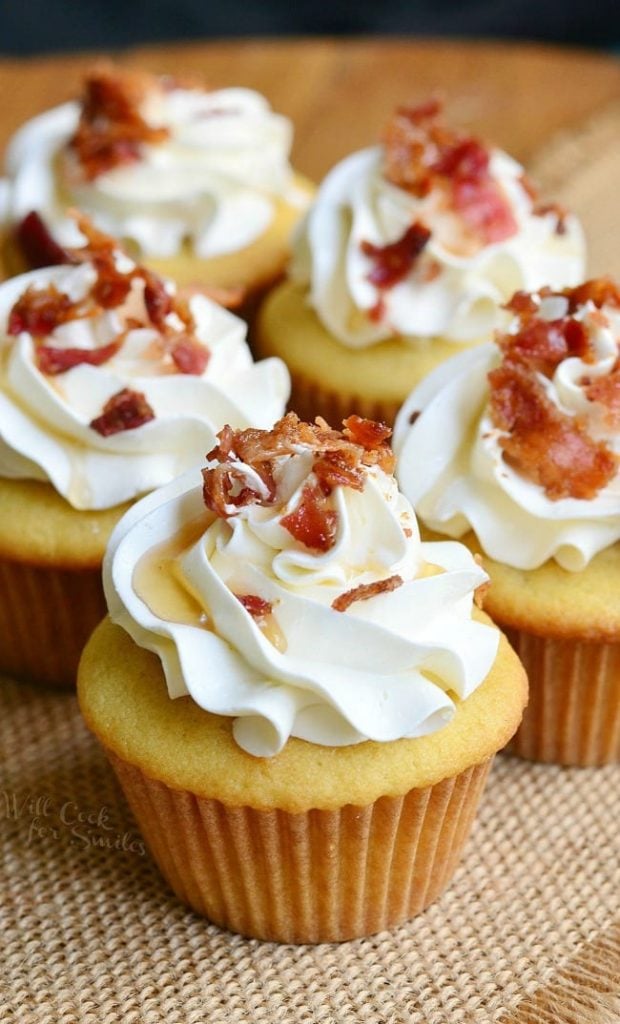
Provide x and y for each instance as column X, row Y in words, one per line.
column 521, row 438
column 427, row 235
column 156, row 162
column 292, row 592
column 110, row 385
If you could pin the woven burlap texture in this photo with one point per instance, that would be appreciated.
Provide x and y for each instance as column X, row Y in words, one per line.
column 90, row 933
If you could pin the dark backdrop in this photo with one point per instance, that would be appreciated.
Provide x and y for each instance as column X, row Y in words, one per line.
column 39, row 26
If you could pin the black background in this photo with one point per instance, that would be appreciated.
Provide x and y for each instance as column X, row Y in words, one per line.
column 40, row 26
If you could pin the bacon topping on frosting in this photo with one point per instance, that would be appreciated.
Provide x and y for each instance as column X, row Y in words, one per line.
column 112, row 129
column 606, row 391
column 52, row 359
column 39, row 311
column 246, row 463
column 551, row 447
column 255, row 605
column 38, row 246
column 365, row 591
column 393, row 262
column 125, row 410
column 422, row 154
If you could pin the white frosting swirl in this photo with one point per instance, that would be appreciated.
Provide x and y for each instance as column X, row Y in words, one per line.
column 214, row 180
column 451, row 466
column 451, row 291
column 384, row 669
column 44, row 420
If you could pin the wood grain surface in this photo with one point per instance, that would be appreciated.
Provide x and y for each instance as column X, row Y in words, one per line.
column 340, row 92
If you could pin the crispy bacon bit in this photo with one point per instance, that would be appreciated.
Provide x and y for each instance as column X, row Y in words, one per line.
column 484, row 208
column 339, row 459
column 600, row 291
column 542, row 344
column 373, row 436
column 111, row 289
column 255, row 605
column 37, row 245
column 111, row 129
column 190, row 356
column 125, row 410
column 53, row 360
column 606, row 391
column 547, row 445
column 523, row 303
column 313, row 523
column 338, row 469
column 393, row 262
column 157, row 299
column 365, row 591
column 40, row 311
column 422, row 153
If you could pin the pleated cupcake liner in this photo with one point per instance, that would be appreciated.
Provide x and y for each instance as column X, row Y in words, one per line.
column 573, row 715
column 310, row 398
column 46, row 617
column 317, row 876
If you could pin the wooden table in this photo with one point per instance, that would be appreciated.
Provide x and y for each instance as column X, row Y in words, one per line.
column 340, row 92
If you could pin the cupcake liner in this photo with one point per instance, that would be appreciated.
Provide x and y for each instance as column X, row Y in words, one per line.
column 317, row 876
column 46, row 617
column 309, row 399
column 573, row 715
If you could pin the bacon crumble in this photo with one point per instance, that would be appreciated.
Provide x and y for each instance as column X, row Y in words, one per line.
column 549, row 446
column 125, row 410
column 422, row 153
column 112, row 130
column 606, row 391
column 339, row 459
column 52, row 359
column 257, row 606
column 365, row 591
column 393, row 262
column 189, row 355
column 37, row 245
column 39, row 311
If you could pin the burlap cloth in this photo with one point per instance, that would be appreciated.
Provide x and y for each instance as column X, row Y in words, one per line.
column 528, row 932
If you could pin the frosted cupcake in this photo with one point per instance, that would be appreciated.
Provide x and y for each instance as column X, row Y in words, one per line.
column 405, row 258
column 521, row 447
column 110, row 386
column 297, row 695
column 197, row 183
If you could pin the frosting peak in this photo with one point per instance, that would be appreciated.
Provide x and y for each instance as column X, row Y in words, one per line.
column 157, row 162
column 427, row 235
column 110, row 384
column 358, row 631
column 522, row 437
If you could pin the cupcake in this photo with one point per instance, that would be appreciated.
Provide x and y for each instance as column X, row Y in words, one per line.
column 195, row 182
column 521, row 446
column 298, row 696
column 110, row 386
column 404, row 259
